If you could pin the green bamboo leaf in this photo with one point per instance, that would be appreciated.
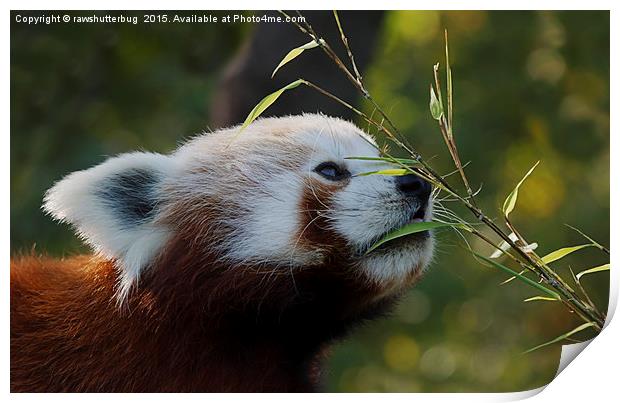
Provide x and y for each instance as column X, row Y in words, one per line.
column 435, row 105
column 562, row 337
column 296, row 52
column 598, row 245
column 511, row 200
column 267, row 102
column 448, row 81
column 410, row 229
column 596, row 269
column 511, row 278
column 390, row 172
column 539, row 298
column 505, row 246
column 519, row 276
column 385, row 159
column 560, row 253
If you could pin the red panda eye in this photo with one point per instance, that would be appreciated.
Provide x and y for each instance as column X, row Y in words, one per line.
column 331, row 171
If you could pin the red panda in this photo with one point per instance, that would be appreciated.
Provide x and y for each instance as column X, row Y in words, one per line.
column 229, row 265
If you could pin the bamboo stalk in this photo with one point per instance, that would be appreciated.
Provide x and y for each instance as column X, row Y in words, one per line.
column 530, row 261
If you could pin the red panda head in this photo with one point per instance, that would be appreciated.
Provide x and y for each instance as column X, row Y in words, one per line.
column 278, row 201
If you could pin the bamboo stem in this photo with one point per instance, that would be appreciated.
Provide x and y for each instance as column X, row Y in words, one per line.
column 531, row 261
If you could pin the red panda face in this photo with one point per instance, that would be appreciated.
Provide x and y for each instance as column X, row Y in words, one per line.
column 281, row 194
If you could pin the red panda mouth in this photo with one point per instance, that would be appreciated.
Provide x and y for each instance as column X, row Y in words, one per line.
column 395, row 244
column 418, row 216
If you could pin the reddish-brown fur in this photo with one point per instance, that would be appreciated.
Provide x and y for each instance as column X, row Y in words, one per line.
column 242, row 330
column 193, row 323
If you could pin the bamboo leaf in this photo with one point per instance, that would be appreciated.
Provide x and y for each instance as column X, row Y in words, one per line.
column 560, row 253
column 294, row 53
column 539, row 298
column 435, row 105
column 597, row 269
column 598, row 245
column 511, row 278
column 410, row 229
column 511, row 200
column 519, row 276
column 562, row 337
column 405, row 161
column 390, row 172
column 504, row 246
column 448, row 82
column 267, row 102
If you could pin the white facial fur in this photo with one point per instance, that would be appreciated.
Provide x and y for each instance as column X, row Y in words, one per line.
column 258, row 177
column 369, row 206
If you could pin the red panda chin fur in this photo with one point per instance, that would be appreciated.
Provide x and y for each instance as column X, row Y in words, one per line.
column 195, row 326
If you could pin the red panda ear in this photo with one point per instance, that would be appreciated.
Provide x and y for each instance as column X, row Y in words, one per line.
column 113, row 207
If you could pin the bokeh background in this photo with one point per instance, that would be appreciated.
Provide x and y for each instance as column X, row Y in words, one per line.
column 529, row 86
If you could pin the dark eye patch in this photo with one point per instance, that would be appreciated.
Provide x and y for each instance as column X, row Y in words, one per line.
column 332, row 171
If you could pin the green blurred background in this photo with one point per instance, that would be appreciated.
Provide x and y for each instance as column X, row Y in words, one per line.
column 529, row 86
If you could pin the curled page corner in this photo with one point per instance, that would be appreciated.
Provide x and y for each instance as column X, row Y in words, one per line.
column 569, row 353
column 516, row 396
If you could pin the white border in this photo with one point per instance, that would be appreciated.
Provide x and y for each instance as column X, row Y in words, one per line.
column 312, row 5
column 591, row 377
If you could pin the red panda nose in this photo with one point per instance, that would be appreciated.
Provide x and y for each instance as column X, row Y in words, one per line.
column 413, row 186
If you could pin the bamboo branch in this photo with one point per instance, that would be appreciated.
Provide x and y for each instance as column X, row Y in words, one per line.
column 528, row 260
